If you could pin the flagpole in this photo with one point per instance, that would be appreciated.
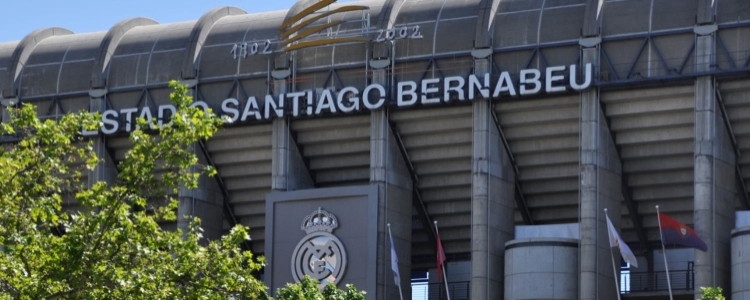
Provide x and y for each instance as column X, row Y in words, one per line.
column 400, row 293
column 445, row 278
column 612, row 255
column 664, row 252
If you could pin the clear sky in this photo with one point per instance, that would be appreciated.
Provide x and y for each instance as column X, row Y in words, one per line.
column 20, row 17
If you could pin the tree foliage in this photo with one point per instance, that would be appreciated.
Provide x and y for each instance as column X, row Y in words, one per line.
column 111, row 244
column 309, row 289
column 711, row 293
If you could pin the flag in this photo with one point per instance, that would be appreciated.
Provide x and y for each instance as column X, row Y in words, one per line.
column 616, row 241
column 440, row 255
column 674, row 232
column 394, row 262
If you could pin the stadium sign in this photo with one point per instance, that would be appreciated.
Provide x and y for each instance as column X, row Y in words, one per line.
column 429, row 91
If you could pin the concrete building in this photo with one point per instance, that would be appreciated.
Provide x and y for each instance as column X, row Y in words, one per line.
column 512, row 123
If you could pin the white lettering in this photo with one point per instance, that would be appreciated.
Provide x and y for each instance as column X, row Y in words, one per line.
column 201, row 104
column 128, row 112
column 232, row 110
column 366, row 96
column 586, row 78
column 354, row 100
column 110, row 118
column 458, row 88
column 504, row 85
column 295, row 102
column 251, row 109
column 310, row 100
column 162, row 116
column 429, row 87
column 475, row 85
column 278, row 107
column 525, row 80
column 411, row 92
column 552, row 78
column 146, row 114
column 325, row 101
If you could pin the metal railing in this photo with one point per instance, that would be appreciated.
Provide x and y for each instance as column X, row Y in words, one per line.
column 657, row 281
column 458, row 290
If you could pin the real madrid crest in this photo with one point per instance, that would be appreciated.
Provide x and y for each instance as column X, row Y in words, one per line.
column 319, row 254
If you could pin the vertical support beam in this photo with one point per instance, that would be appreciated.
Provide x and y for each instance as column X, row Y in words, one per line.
column 492, row 199
column 715, row 191
column 288, row 167
column 389, row 173
column 600, row 188
column 105, row 170
column 289, row 170
column 205, row 202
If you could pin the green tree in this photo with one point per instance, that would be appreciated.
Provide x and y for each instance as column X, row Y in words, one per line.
column 112, row 247
column 309, row 289
column 711, row 293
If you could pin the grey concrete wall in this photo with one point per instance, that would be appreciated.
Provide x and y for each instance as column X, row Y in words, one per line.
column 492, row 201
column 600, row 188
column 714, row 183
column 389, row 173
column 741, row 263
column 542, row 268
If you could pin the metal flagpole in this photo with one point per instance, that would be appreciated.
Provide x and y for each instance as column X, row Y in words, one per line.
column 612, row 255
column 664, row 252
column 400, row 293
column 445, row 278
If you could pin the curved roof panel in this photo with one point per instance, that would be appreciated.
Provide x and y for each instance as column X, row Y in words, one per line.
column 216, row 59
column 6, row 52
column 639, row 16
column 445, row 26
column 149, row 55
column 732, row 11
column 529, row 22
column 60, row 64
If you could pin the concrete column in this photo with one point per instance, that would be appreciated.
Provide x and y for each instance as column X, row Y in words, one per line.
column 492, row 202
column 714, row 185
column 289, row 171
column 389, row 173
column 740, row 263
column 106, row 170
column 600, row 188
column 205, row 202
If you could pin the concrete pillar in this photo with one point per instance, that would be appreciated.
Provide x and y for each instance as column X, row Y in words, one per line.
column 389, row 173
column 492, row 202
column 600, row 188
column 106, row 170
column 740, row 263
column 714, row 184
column 541, row 268
column 205, row 202
column 289, row 171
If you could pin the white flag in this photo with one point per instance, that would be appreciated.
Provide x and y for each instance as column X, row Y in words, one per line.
column 394, row 262
column 615, row 240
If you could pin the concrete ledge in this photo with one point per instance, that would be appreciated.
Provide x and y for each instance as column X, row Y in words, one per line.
column 740, row 231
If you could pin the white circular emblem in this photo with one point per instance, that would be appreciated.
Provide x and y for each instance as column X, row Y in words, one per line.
column 683, row 231
column 320, row 254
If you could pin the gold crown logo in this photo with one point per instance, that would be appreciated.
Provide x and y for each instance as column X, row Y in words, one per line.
column 319, row 220
column 297, row 27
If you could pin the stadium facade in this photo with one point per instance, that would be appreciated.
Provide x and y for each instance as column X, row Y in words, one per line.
column 512, row 123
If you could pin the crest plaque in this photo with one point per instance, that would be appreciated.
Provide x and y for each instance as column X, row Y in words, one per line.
column 320, row 254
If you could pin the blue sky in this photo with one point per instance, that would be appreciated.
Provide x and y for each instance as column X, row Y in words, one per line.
column 20, row 17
